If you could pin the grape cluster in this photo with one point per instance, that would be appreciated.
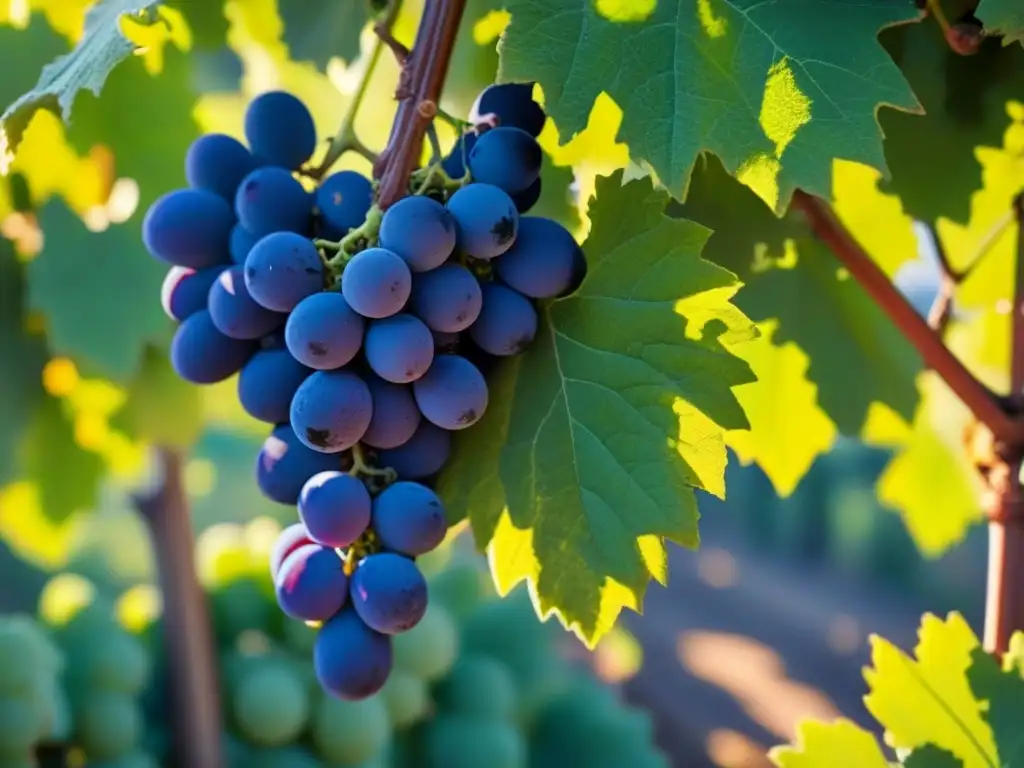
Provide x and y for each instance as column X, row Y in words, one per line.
column 361, row 335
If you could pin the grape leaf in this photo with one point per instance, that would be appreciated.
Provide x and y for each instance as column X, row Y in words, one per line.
column 1003, row 689
column 1002, row 17
column 930, row 756
column 102, row 47
column 618, row 412
column 318, row 30
column 838, row 743
column 161, row 407
column 98, row 293
column 763, row 85
column 206, row 20
column 1013, row 659
column 928, row 700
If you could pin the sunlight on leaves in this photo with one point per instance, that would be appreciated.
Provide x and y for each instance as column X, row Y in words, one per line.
column 838, row 743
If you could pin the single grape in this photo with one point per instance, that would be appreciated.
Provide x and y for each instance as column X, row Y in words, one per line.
column 456, row 741
column 452, row 394
column 202, row 354
column 335, row 508
column 331, row 411
column 406, row 697
column 108, row 724
column 422, row 456
column 235, row 312
column 271, row 703
column 447, row 298
column 285, row 464
column 395, row 415
column 351, row 660
column 218, row 163
column 280, row 129
column 455, row 163
column 528, row 198
column 352, row 733
column 507, row 322
column 408, row 518
column 282, row 269
column 311, row 584
column 486, row 218
column 189, row 227
column 508, row 158
column 579, row 272
column 242, row 241
column 185, row 290
column 268, row 383
column 388, row 592
column 343, row 199
column 540, row 263
column 513, row 104
column 478, row 686
column 428, row 650
column 420, row 230
column 290, row 539
column 399, row 349
column 376, row 283
column 323, row 331
column 270, row 199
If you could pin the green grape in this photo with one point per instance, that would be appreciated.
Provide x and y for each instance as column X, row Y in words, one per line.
column 26, row 655
column 459, row 587
column 452, row 741
column 406, row 697
column 131, row 760
column 429, row 649
column 239, row 606
column 115, row 661
column 18, row 727
column 282, row 757
column 270, row 703
column 107, row 725
column 477, row 686
column 348, row 732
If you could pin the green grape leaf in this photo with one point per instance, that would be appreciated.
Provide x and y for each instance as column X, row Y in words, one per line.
column 102, row 47
column 830, row 744
column 1002, row 17
column 1013, row 659
column 99, row 293
column 1003, row 689
column 161, row 407
column 206, row 21
column 617, row 414
column 931, row 756
column 752, row 82
column 318, row 30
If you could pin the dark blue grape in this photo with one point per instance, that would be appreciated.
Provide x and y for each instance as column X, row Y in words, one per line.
column 290, row 539
column 508, row 158
column 242, row 241
column 335, row 508
column 282, row 269
column 507, row 322
column 311, row 584
column 452, row 394
column 513, row 104
column 351, row 661
column 268, row 383
column 203, row 355
column 284, row 465
column 235, row 312
column 376, row 283
column 395, row 415
column 280, row 130
column 420, row 230
column 344, row 198
column 189, row 227
column 486, row 218
column 579, row 272
column 389, row 593
column 447, row 298
column 218, row 163
column 324, row 332
column 270, row 199
column 455, row 163
column 425, row 453
column 184, row 291
column 541, row 261
column 331, row 411
column 399, row 349
column 408, row 518
column 528, row 198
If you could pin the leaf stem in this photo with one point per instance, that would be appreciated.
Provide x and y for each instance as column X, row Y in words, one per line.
column 935, row 9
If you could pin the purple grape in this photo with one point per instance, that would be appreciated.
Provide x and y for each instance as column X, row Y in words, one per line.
column 395, row 415
column 420, row 230
column 408, row 518
column 351, row 661
column 185, row 290
column 268, row 383
column 335, row 508
column 290, row 539
column 579, row 272
column 235, row 312
column 282, row 269
column 447, row 298
column 399, row 349
column 423, row 455
column 389, row 593
column 280, row 129
column 242, row 241
column 218, row 163
column 344, row 199
column 376, row 283
column 540, row 263
column 508, row 158
column 452, row 394
column 311, row 584
column 285, row 464
column 528, row 198
column 324, row 332
column 331, row 411
column 189, row 227
column 486, row 218
column 513, row 104
column 507, row 322
column 203, row 355
column 270, row 200
column 455, row 163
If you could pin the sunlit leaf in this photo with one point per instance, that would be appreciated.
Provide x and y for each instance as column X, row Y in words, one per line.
column 838, row 743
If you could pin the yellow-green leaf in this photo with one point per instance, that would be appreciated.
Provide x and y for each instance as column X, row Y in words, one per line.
column 840, row 744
